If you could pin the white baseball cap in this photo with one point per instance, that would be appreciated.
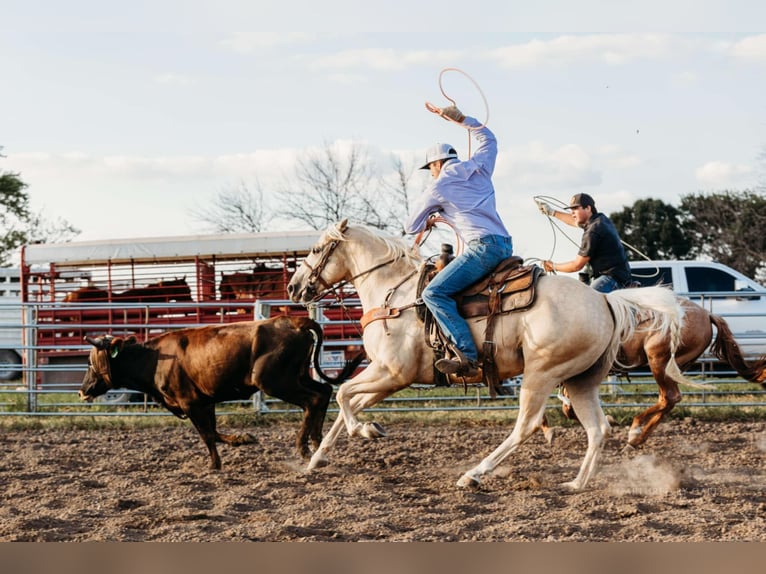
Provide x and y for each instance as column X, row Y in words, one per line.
column 439, row 151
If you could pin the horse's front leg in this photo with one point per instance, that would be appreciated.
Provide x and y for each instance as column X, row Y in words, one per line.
column 359, row 402
column 375, row 383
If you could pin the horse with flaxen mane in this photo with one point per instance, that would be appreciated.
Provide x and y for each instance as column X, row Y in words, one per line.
column 570, row 335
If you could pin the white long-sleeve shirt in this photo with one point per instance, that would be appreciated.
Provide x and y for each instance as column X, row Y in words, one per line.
column 463, row 193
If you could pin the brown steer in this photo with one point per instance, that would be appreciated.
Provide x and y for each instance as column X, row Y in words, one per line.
column 190, row 370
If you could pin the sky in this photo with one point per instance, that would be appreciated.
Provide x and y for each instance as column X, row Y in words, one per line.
column 124, row 117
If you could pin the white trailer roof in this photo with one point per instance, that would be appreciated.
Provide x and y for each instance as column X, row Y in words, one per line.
column 166, row 249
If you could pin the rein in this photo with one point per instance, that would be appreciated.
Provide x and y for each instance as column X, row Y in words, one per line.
column 373, row 314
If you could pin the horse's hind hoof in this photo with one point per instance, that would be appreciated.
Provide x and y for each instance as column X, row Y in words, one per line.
column 629, row 449
column 373, row 430
column 571, row 486
column 470, row 482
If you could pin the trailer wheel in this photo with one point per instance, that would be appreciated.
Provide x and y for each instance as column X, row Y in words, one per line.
column 10, row 363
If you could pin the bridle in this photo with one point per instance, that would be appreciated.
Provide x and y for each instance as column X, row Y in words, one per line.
column 316, row 273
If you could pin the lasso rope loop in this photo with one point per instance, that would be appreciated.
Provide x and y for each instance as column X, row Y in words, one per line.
column 437, row 110
column 555, row 227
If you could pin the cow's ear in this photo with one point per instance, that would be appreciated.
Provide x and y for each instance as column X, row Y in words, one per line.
column 115, row 346
column 343, row 225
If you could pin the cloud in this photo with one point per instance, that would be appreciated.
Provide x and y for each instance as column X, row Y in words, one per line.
column 248, row 43
column 384, row 59
column 95, row 171
column 752, row 49
column 613, row 49
column 723, row 175
column 171, row 79
column 536, row 167
column 613, row 157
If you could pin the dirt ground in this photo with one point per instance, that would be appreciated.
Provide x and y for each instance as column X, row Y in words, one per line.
column 693, row 481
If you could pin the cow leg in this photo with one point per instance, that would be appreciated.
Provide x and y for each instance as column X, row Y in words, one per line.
column 203, row 419
column 318, row 412
column 314, row 397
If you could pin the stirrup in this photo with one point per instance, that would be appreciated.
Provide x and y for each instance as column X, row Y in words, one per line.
column 457, row 367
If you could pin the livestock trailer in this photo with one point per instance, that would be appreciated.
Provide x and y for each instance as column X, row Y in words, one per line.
column 145, row 286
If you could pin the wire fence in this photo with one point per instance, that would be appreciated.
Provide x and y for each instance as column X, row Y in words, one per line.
column 45, row 379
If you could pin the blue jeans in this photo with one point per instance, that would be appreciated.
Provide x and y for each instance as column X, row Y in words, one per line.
column 480, row 257
column 605, row 284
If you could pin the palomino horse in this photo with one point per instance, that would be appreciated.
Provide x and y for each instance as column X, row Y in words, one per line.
column 653, row 349
column 570, row 335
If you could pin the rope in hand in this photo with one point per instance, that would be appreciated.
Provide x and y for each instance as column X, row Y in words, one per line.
column 437, row 110
column 555, row 227
column 421, row 237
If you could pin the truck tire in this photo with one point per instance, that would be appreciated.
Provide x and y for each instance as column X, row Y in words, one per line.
column 10, row 363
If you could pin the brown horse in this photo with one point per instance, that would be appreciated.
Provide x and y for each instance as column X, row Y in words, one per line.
column 653, row 349
column 261, row 281
column 164, row 291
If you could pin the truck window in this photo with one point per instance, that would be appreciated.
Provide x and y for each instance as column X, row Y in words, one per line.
column 651, row 276
column 705, row 279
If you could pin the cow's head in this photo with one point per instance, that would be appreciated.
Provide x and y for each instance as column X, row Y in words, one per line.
column 98, row 377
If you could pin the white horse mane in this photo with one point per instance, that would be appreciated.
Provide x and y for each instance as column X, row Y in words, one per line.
column 395, row 247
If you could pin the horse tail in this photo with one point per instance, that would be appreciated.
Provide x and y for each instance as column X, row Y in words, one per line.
column 348, row 369
column 651, row 309
column 725, row 348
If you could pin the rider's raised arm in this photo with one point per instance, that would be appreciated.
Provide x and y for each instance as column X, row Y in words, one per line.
column 486, row 154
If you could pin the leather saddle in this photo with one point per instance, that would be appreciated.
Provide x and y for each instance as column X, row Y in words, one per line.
column 510, row 284
column 509, row 287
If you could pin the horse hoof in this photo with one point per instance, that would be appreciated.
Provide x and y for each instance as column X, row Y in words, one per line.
column 548, row 434
column 373, row 430
column 629, row 449
column 466, row 481
column 571, row 486
column 315, row 463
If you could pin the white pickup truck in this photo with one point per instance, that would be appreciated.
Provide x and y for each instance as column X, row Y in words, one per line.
column 10, row 325
column 719, row 289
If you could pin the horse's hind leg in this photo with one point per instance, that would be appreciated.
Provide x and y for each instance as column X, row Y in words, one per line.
column 644, row 423
column 531, row 410
column 585, row 400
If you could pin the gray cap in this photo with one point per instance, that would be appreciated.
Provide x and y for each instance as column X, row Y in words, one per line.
column 439, row 151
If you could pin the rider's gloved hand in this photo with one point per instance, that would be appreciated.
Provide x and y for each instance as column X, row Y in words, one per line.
column 453, row 113
column 546, row 209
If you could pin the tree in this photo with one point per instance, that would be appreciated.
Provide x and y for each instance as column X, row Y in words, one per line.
column 329, row 185
column 728, row 227
column 389, row 211
column 14, row 211
column 654, row 228
column 19, row 224
column 235, row 210
column 336, row 183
